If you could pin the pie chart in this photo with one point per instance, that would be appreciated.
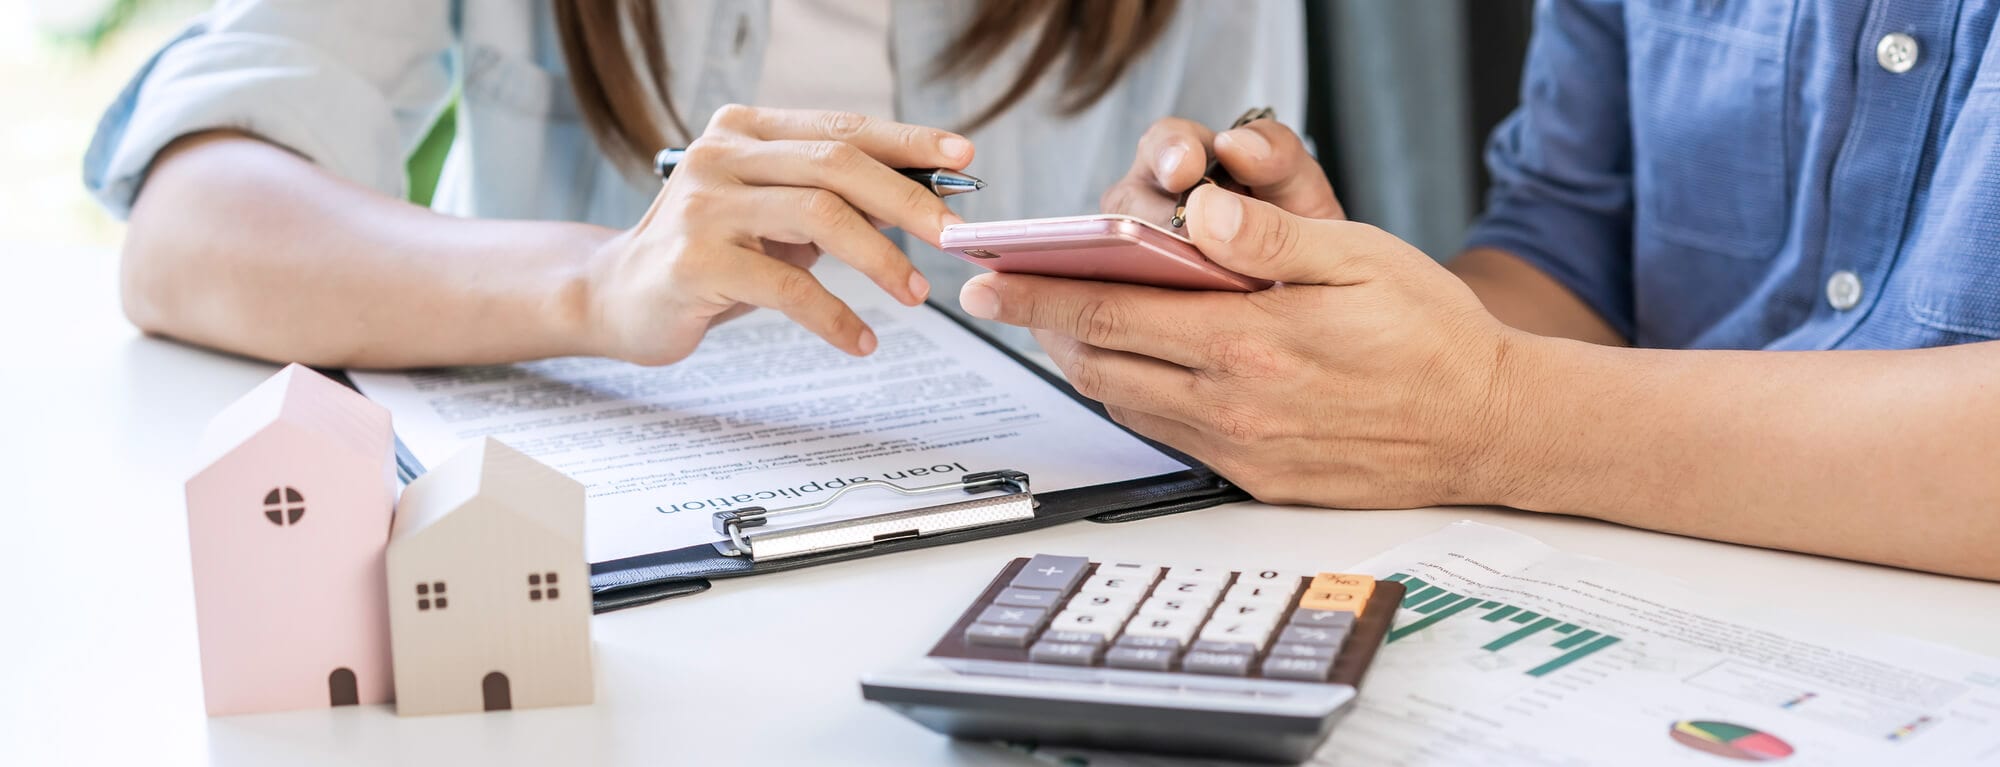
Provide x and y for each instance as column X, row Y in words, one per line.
column 1730, row 741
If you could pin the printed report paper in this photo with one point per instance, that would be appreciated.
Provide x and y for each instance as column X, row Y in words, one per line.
column 1510, row 652
column 767, row 414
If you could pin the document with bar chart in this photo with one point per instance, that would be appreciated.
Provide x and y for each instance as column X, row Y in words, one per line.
column 1509, row 652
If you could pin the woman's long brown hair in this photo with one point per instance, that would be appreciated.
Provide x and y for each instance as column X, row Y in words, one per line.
column 618, row 64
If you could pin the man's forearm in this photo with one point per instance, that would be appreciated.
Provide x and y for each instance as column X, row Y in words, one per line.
column 1525, row 298
column 242, row 246
column 1883, row 456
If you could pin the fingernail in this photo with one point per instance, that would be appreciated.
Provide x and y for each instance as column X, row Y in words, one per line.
column 867, row 342
column 1247, row 141
column 919, row 287
column 955, row 148
column 1221, row 214
column 979, row 301
column 1170, row 161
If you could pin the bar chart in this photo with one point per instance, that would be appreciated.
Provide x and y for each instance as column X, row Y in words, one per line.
column 1436, row 605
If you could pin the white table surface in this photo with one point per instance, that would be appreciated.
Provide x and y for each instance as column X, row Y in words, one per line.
column 98, row 662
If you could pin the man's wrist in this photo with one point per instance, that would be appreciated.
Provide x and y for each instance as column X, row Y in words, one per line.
column 1531, row 413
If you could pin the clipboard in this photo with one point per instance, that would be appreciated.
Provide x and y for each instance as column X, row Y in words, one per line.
column 1001, row 502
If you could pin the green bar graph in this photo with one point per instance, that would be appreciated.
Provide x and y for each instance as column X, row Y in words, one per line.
column 1576, row 640
column 1429, row 620
column 1433, row 605
column 1526, row 615
column 1397, row 578
column 1565, row 628
column 1504, row 611
column 1490, row 603
column 1422, row 596
column 1520, row 634
column 1572, row 656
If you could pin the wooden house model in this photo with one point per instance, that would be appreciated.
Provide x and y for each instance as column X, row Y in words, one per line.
column 489, row 591
column 288, row 515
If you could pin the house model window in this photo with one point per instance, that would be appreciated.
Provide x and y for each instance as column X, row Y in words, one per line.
column 430, row 594
column 284, row 506
column 542, row 584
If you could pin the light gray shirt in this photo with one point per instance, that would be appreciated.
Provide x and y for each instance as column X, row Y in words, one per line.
column 355, row 85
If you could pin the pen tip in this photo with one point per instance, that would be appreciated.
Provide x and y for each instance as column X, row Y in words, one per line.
column 978, row 185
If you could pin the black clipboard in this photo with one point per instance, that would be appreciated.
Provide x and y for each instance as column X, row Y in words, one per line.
column 632, row 581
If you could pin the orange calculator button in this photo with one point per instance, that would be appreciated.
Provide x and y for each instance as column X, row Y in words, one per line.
column 1337, row 591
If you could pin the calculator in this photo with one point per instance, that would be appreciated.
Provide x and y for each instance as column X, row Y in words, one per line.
column 1059, row 650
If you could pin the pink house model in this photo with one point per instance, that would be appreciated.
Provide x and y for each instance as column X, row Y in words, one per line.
column 489, row 591
column 288, row 520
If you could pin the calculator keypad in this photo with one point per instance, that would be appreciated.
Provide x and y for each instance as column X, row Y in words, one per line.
column 1069, row 611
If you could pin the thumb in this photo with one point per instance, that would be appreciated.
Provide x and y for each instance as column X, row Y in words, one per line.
column 1258, row 239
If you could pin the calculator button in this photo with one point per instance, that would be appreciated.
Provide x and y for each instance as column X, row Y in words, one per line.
column 1219, row 663
column 996, row 635
column 1073, row 637
column 1086, row 621
column 1348, row 601
column 1168, row 644
column 1113, row 604
column 1254, row 631
column 1018, row 597
column 1064, row 653
column 1030, row 617
column 1281, row 578
column 1295, row 650
column 1223, row 646
column 1302, row 669
column 1347, row 581
column 1199, row 574
column 1198, row 591
column 1178, row 628
column 1278, row 593
column 1116, row 584
column 1141, row 658
column 1250, row 611
column 1145, row 573
column 1311, row 635
column 1326, row 619
column 1051, row 572
column 1168, row 606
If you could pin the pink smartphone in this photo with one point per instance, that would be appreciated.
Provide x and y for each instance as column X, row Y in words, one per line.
column 1106, row 247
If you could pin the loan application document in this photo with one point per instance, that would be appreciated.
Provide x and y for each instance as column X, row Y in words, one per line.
column 767, row 414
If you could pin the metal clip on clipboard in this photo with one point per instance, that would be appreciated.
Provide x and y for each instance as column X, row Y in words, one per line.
column 744, row 540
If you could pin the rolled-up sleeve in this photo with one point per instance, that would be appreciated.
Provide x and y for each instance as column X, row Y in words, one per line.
column 352, row 86
column 1562, row 162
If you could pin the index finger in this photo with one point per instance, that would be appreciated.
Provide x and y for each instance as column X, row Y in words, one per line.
column 1172, row 154
column 1155, row 322
column 895, row 144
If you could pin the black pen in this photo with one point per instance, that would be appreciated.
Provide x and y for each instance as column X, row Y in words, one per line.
column 1215, row 174
column 941, row 182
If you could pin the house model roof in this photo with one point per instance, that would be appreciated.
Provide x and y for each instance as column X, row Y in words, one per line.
column 491, row 471
column 304, row 399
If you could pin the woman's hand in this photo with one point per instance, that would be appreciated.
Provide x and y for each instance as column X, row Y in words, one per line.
column 1266, row 159
column 744, row 217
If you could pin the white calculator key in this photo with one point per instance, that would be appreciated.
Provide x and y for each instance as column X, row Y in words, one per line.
column 1197, row 591
column 1256, row 631
column 1201, row 574
column 1266, row 577
column 1272, row 593
column 1262, row 611
column 1147, row 573
column 1179, row 628
column 1105, row 624
column 1110, row 603
column 1117, row 584
column 1174, row 607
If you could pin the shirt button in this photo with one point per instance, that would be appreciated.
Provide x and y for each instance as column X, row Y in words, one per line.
column 1843, row 290
column 1897, row 52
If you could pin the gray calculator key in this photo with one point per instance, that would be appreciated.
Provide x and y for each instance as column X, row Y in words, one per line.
column 1218, row 663
column 1074, row 637
column 1323, row 619
column 1302, row 669
column 1051, row 572
column 1222, row 646
column 996, row 635
column 1065, row 653
column 1030, row 617
column 1314, row 651
column 1141, row 658
column 1017, row 597
column 1168, row 644
column 1329, row 637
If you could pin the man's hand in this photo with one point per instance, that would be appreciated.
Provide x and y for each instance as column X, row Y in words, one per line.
column 1264, row 157
column 1370, row 377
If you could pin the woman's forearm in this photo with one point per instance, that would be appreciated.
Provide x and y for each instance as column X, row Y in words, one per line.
column 1883, row 456
column 240, row 245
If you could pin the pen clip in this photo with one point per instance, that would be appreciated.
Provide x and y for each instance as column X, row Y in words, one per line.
column 736, row 524
column 1208, row 175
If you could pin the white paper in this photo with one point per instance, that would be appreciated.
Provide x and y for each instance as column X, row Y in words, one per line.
column 767, row 414
column 1832, row 695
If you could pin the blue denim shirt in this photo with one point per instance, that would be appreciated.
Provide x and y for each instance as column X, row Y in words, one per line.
column 1776, row 174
